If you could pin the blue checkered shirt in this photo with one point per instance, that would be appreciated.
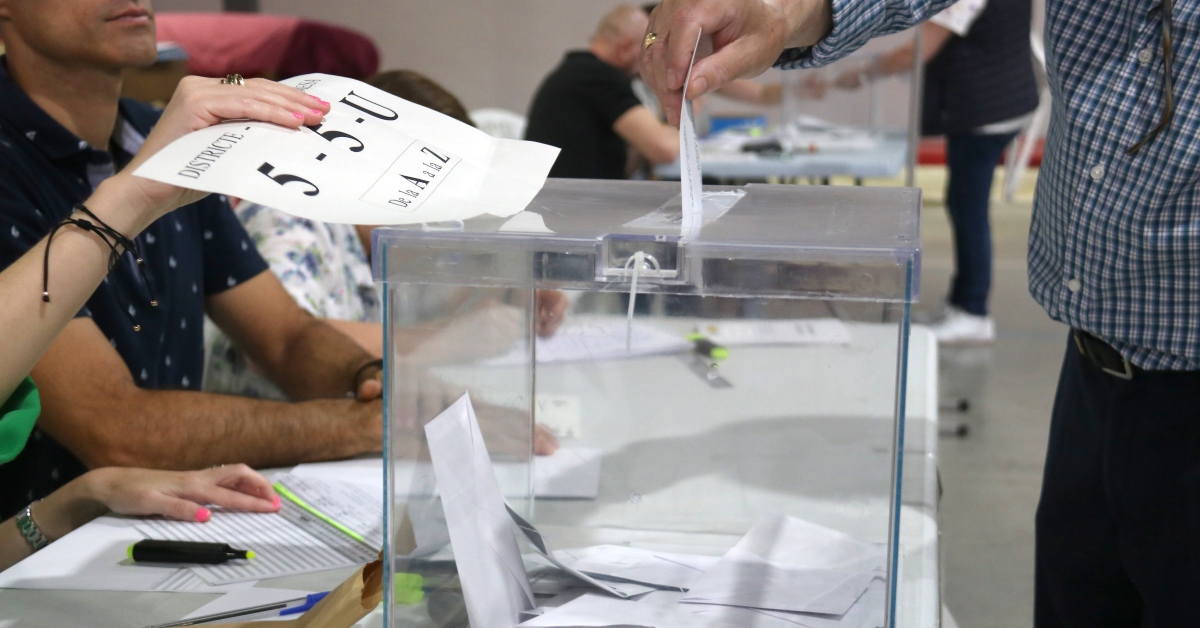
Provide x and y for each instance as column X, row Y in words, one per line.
column 1114, row 246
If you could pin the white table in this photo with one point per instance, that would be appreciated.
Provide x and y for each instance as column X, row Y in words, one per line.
column 615, row 517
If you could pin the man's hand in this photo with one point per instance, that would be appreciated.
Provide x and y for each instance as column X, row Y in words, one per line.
column 551, row 310
column 368, row 384
column 747, row 36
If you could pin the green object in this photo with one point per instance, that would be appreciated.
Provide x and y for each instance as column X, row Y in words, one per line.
column 17, row 416
column 409, row 588
column 292, row 497
column 129, row 552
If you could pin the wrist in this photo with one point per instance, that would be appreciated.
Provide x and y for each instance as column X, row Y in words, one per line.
column 808, row 21
column 67, row 508
column 119, row 203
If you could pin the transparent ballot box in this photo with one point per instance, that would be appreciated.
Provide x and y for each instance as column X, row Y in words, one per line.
column 727, row 407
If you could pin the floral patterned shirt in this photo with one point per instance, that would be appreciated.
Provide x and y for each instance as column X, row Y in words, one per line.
column 322, row 265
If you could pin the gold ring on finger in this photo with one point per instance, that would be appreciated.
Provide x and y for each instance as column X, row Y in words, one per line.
column 650, row 38
column 233, row 79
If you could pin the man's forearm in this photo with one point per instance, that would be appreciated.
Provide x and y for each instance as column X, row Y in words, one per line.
column 192, row 430
column 319, row 362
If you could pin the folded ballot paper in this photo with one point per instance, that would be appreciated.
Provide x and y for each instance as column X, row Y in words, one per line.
column 789, row 564
column 494, row 583
column 375, row 159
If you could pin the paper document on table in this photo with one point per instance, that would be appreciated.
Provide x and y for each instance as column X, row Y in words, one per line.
column 494, row 584
column 594, row 610
column 658, row 569
column 586, row 339
column 788, row 564
column 342, row 505
column 804, row 331
column 689, row 161
column 375, row 159
column 94, row 557
column 282, row 547
column 248, row 597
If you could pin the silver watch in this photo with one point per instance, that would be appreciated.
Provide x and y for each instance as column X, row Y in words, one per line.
column 30, row 530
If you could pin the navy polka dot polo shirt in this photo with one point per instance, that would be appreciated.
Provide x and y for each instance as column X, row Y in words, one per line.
column 195, row 251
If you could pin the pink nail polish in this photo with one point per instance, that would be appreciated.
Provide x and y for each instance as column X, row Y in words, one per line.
column 323, row 102
column 275, row 501
column 298, row 116
column 203, row 515
column 316, row 111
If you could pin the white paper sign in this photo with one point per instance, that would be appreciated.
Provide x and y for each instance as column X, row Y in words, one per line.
column 375, row 159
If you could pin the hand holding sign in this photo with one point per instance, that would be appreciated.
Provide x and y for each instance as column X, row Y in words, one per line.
column 199, row 103
column 372, row 159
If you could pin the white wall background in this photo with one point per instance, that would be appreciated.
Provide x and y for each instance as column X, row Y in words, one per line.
column 492, row 53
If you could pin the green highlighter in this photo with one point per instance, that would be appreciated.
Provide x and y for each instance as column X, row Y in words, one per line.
column 295, row 499
column 707, row 348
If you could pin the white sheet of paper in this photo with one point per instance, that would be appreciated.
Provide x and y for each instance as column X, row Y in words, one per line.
column 788, row 564
column 806, row 331
column 594, row 610
column 495, row 586
column 866, row 612
column 93, row 558
column 282, row 547
column 360, row 511
column 689, row 161
column 660, row 569
column 585, row 339
column 246, row 598
column 375, row 159
column 743, row 617
column 365, row 473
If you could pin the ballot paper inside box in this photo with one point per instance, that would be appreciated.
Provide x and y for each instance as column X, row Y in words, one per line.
column 592, row 311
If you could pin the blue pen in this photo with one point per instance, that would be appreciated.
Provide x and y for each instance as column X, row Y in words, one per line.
column 309, row 601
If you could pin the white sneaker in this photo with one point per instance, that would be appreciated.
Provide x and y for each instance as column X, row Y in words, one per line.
column 961, row 327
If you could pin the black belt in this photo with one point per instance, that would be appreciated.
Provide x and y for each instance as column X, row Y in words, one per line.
column 1103, row 355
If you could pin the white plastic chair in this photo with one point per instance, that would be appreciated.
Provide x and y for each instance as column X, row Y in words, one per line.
column 1020, row 152
column 500, row 123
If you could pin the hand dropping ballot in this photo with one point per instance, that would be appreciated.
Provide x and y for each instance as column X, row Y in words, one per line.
column 375, row 159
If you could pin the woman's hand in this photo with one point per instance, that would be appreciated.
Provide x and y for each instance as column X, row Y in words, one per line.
column 182, row 495
column 199, row 103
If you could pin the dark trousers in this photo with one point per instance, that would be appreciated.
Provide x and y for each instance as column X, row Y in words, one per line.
column 1118, row 525
column 971, row 160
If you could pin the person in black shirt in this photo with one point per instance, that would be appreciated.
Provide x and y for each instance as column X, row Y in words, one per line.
column 587, row 106
column 119, row 386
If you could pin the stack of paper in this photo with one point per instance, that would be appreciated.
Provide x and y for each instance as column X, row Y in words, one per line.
column 630, row 564
column 293, row 541
column 788, row 565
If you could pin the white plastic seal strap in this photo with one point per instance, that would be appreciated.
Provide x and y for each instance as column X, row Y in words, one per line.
column 637, row 261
